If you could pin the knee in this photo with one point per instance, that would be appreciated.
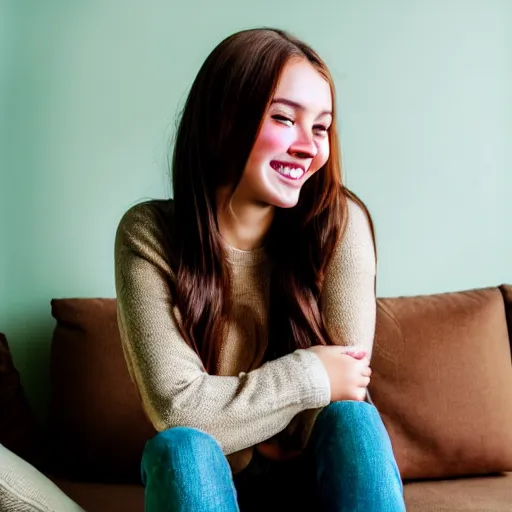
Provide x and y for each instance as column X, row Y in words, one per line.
column 348, row 418
column 348, row 412
column 172, row 443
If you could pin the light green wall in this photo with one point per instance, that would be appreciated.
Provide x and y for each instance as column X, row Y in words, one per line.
column 91, row 92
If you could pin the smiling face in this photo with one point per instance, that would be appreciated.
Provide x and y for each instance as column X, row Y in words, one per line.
column 293, row 141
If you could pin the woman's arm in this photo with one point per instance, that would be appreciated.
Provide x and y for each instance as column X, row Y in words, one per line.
column 238, row 411
column 348, row 307
column 348, row 302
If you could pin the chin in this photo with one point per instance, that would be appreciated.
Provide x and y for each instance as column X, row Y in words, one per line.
column 284, row 202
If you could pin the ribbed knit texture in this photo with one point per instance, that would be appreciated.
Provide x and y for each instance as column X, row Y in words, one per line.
column 248, row 402
column 24, row 489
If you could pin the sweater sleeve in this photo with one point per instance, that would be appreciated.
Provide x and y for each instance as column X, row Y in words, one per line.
column 348, row 301
column 238, row 411
column 347, row 304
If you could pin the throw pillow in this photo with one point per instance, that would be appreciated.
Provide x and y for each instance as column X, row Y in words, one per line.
column 442, row 381
column 25, row 489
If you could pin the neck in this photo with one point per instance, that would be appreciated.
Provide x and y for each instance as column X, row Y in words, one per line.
column 242, row 224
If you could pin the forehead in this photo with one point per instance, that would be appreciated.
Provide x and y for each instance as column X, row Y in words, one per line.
column 302, row 83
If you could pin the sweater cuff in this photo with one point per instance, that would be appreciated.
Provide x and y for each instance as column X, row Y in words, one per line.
column 317, row 387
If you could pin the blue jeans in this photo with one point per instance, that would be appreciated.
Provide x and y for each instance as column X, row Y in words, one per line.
column 348, row 466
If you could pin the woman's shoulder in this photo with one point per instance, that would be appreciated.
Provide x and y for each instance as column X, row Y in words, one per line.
column 146, row 225
column 358, row 216
column 147, row 212
column 357, row 241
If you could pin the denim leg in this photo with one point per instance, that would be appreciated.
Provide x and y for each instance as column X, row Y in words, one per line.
column 184, row 470
column 356, row 470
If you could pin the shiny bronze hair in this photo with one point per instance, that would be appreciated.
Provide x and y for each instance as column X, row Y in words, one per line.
column 218, row 128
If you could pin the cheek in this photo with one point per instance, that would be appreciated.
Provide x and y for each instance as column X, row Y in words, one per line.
column 321, row 157
column 271, row 139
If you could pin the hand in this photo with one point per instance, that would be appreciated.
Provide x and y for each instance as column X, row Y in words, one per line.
column 355, row 351
column 349, row 375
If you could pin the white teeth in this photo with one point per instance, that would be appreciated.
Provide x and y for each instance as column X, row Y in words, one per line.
column 287, row 171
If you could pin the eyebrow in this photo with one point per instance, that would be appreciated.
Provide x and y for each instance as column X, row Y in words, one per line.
column 297, row 106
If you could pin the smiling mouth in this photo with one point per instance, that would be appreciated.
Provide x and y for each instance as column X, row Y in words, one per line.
column 290, row 171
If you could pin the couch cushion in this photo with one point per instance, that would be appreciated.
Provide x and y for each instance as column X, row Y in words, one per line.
column 24, row 489
column 442, row 375
column 96, row 422
column 442, row 381
column 95, row 497
column 489, row 494
column 19, row 429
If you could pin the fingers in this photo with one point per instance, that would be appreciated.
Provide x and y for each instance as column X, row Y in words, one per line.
column 361, row 395
column 367, row 372
column 365, row 376
column 356, row 354
column 363, row 382
column 352, row 348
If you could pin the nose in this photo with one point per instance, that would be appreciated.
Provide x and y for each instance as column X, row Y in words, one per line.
column 303, row 147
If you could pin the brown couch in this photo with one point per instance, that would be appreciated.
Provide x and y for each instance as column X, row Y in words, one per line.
column 442, row 382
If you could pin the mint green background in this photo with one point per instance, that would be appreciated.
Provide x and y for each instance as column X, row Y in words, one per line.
column 89, row 97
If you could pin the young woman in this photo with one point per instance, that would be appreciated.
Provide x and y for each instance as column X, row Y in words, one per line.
column 247, row 304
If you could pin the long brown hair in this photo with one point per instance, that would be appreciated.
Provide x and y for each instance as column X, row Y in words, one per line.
column 218, row 127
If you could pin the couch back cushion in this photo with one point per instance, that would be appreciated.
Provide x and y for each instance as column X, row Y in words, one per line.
column 442, row 381
column 97, row 425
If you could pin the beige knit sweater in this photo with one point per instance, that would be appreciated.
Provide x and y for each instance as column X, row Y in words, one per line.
column 247, row 403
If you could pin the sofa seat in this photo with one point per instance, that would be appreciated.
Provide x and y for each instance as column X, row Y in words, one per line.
column 477, row 494
column 480, row 494
column 97, row 497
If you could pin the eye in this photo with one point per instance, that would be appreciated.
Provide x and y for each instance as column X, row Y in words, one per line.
column 320, row 129
column 283, row 119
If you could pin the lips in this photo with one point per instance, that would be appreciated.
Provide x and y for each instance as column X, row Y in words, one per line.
column 288, row 170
